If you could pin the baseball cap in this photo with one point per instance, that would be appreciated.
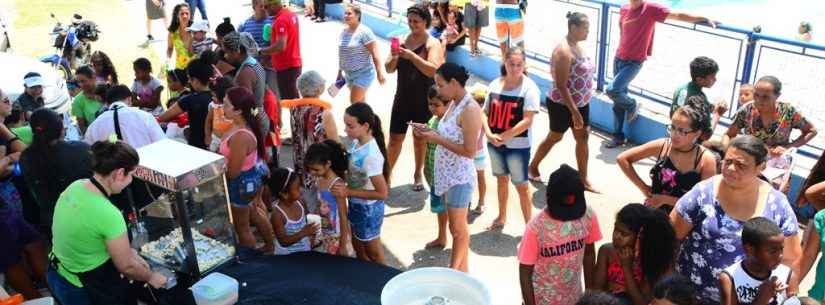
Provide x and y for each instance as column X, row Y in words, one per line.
column 565, row 194
column 32, row 80
column 199, row 26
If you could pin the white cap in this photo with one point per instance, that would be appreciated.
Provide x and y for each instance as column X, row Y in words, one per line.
column 199, row 26
column 33, row 81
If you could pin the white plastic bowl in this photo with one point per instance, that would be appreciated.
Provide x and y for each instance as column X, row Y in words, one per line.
column 436, row 286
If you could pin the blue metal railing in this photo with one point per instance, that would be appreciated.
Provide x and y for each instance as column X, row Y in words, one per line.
column 749, row 49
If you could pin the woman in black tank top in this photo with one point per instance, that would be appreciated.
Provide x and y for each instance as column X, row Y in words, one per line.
column 681, row 162
column 416, row 60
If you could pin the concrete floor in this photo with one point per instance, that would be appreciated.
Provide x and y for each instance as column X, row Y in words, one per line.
column 408, row 224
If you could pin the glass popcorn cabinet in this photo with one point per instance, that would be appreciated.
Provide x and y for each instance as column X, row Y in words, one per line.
column 186, row 229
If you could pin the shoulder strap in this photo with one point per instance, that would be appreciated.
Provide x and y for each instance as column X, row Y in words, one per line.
column 332, row 183
column 700, row 152
column 662, row 149
column 117, row 124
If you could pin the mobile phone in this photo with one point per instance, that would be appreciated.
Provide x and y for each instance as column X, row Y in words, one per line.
column 395, row 45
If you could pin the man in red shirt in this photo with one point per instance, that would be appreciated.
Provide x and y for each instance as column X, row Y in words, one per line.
column 285, row 49
column 637, row 22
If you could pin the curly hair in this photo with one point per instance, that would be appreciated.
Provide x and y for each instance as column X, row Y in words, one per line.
column 656, row 238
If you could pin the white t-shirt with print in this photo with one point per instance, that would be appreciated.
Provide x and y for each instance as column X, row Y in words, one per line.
column 145, row 91
column 365, row 161
column 505, row 109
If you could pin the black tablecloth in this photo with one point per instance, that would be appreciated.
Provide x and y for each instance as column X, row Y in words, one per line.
column 309, row 278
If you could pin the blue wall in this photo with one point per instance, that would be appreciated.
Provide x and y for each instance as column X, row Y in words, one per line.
column 644, row 129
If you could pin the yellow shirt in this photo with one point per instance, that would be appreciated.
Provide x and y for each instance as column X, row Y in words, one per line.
column 462, row 3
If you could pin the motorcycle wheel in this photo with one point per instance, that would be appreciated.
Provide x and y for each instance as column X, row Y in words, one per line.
column 63, row 71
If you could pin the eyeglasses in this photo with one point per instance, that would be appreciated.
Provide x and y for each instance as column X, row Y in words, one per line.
column 5, row 99
column 679, row 132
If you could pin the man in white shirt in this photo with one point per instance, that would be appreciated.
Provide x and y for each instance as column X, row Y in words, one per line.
column 136, row 127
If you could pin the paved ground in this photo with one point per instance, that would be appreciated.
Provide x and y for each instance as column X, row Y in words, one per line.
column 409, row 224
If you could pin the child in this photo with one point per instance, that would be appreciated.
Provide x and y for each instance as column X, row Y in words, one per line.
column 216, row 123
column 674, row 289
column 104, row 69
column 437, row 27
column 745, row 95
column 437, row 107
column 703, row 72
column 366, row 186
column 292, row 233
column 648, row 257
column 479, row 93
column 455, row 32
column 146, row 88
column 177, row 81
column 812, row 246
column 557, row 246
column 328, row 162
column 200, row 42
column 759, row 278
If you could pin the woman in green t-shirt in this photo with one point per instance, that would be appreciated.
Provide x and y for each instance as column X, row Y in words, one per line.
column 91, row 248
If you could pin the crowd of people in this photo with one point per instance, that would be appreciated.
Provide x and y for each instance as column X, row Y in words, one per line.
column 713, row 227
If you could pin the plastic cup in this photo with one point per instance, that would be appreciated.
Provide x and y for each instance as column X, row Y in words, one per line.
column 314, row 219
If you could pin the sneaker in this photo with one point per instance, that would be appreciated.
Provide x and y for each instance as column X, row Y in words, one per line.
column 633, row 114
column 615, row 143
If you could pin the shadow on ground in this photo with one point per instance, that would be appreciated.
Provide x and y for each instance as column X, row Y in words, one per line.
column 494, row 243
column 403, row 197
column 436, row 257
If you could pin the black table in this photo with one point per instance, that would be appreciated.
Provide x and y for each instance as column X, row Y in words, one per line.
column 309, row 278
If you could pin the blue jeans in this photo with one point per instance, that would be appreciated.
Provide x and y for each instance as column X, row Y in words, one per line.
column 624, row 71
column 66, row 293
column 200, row 5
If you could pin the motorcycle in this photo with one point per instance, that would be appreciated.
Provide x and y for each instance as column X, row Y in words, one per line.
column 72, row 45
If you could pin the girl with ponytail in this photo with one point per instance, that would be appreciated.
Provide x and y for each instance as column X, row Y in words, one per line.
column 643, row 251
column 243, row 146
column 328, row 162
column 366, row 181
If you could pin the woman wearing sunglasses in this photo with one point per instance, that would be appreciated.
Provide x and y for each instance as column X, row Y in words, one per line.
column 680, row 161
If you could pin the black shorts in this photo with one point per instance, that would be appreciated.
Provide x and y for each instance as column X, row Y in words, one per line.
column 406, row 109
column 561, row 119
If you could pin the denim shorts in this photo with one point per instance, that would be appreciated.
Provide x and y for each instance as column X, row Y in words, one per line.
column 362, row 78
column 242, row 189
column 436, row 204
column 65, row 292
column 480, row 161
column 509, row 161
column 458, row 196
column 365, row 219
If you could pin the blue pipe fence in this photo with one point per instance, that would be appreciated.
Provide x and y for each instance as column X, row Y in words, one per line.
column 743, row 56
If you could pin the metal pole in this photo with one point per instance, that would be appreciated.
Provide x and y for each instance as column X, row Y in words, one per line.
column 750, row 52
column 604, row 38
column 389, row 8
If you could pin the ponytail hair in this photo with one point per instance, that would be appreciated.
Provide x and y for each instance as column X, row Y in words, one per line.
column 47, row 128
column 329, row 151
column 655, row 236
column 243, row 100
column 364, row 114
column 110, row 156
